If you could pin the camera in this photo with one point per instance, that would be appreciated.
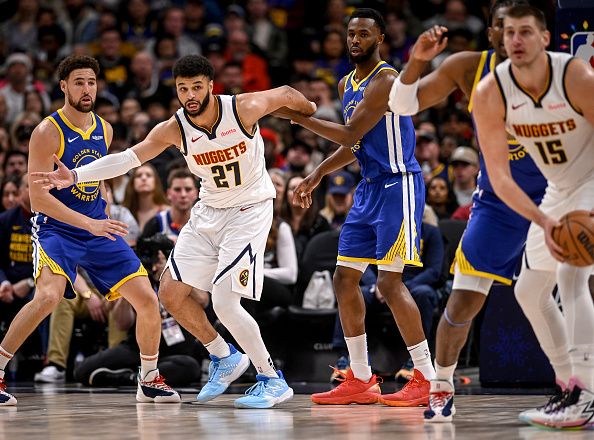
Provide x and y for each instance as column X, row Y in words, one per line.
column 147, row 249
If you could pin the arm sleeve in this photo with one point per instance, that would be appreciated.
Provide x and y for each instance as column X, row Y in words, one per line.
column 403, row 98
column 286, row 255
column 107, row 167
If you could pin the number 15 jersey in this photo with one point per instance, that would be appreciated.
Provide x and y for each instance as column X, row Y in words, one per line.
column 228, row 158
column 559, row 138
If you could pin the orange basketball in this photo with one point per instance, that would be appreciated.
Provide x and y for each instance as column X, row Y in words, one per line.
column 576, row 237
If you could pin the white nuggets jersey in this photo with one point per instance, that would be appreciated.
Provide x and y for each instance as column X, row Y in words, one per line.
column 559, row 139
column 228, row 159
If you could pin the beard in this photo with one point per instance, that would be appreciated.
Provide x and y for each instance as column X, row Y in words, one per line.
column 363, row 56
column 201, row 108
column 80, row 106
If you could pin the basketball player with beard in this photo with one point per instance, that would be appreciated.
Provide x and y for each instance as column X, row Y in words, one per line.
column 384, row 225
column 221, row 248
column 71, row 229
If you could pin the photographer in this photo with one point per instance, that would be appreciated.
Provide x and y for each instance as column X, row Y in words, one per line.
column 179, row 353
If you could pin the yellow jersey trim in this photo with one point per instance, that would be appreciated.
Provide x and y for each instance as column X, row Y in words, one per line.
column 113, row 294
column 375, row 261
column 45, row 260
column 61, row 150
column 86, row 135
column 104, row 132
column 356, row 84
column 477, row 77
column 467, row 269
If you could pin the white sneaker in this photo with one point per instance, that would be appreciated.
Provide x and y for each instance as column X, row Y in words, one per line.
column 540, row 412
column 441, row 407
column 50, row 374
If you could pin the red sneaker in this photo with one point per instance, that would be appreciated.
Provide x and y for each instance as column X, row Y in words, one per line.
column 414, row 393
column 351, row 390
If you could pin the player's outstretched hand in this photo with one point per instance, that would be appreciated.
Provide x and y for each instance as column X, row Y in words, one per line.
column 430, row 43
column 60, row 178
column 556, row 251
column 107, row 227
column 302, row 194
column 292, row 115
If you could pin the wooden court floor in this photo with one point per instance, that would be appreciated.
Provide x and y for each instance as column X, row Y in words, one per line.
column 62, row 414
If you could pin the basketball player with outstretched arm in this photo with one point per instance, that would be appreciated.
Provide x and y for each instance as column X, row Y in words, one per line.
column 544, row 99
column 221, row 248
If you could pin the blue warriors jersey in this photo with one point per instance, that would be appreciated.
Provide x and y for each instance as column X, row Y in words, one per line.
column 523, row 168
column 389, row 147
column 78, row 148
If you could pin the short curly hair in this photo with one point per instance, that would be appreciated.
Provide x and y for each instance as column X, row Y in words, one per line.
column 193, row 65
column 73, row 62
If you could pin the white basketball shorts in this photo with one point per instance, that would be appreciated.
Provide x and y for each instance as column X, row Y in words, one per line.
column 217, row 243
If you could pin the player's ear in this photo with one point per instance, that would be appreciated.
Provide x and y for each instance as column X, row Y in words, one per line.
column 546, row 35
column 63, row 85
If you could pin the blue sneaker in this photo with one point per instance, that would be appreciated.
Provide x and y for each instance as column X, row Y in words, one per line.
column 222, row 372
column 6, row 399
column 155, row 390
column 266, row 393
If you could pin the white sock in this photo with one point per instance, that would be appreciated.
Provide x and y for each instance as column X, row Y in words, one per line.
column 560, row 361
column 445, row 373
column 148, row 366
column 421, row 357
column 218, row 347
column 242, row 326
column 5, row 357
column 582, row 361
column 357, row 346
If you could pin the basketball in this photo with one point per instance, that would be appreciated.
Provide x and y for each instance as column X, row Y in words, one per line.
column 576, row 237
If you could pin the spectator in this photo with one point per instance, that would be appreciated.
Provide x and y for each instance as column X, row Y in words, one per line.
column 427, row 154
column 80, row 22
column 20, row 32
column 16, row 251
column 272, row 155
column 140, row 127
column 15, row 163
column 144, row 194
column 441, row 197
column 465, row 161
column 9, row 189
column 173, row 23
column 254, row 67
column 339, row 199
column 328, row 109
column 165, row 51
column 144, row 84
column 115, row 66
column 298, row 158
column 51, row 41
column 33, row 103
column 230, row 78
column 21, row 129
column 333, row 64
column 304, row 223
column 18, row 81
column 182, row 193
column 397, row 38
column 279, row 180
column 234, row 19
column 456, row 17
column 123, row 214
column 138, row 25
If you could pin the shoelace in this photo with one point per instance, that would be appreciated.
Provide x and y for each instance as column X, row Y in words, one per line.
column 438, row 399
column 257, row 389
column 568, row 398
column 215, row 367
column 555, row 400
column 2, row 385
column 159, row 382
column 412, row 383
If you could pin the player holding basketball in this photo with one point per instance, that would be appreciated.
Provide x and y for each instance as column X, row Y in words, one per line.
column 544, row 99
column 71, row 228
column 383, row 226
column 493, row 225
column 221, row 248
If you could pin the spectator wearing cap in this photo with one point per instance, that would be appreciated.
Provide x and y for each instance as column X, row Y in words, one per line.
column 465, row 162
column 298, row 158
column 427, row 154
column 339, row 198
column 272, row 156
column 18, row 79
column 254, row 67
column 234, row 19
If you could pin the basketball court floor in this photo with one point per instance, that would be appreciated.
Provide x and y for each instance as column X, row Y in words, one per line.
column 69, row 412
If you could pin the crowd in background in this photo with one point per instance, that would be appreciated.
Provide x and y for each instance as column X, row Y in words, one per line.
column 254, row 45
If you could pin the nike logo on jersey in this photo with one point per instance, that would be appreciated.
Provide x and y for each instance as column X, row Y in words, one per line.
column 515, row 107
column 195, row 139
column 245, row 208
column 388, row 185
column 73, row 139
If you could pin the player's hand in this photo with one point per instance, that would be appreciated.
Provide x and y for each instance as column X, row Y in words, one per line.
column 96, row 309
column 60, row 178
column 378, row 295
column 302, row 194
column 6, row 292
column 556, row 251
column 21, row 288
column 108, row 228
column 430, row 43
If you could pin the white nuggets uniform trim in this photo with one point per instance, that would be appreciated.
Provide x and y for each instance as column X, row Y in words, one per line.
column 229, row 159
column 561, row 142
column 227, row 231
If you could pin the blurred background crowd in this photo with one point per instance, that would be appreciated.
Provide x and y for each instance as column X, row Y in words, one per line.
column 253, row 45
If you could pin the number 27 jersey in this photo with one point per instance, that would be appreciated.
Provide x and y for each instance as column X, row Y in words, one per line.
column 228, row 158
